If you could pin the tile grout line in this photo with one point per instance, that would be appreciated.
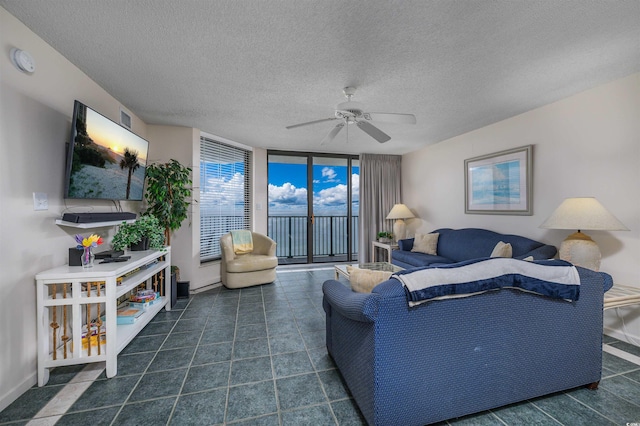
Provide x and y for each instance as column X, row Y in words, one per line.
column 273, row 367
column 231, row 356
column 186, row 375
column 590, row 407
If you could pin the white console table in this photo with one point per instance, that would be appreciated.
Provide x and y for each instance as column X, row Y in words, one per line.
column 69, row 297
column 620, row 296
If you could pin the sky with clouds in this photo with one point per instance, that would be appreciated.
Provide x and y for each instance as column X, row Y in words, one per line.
column 288, row 189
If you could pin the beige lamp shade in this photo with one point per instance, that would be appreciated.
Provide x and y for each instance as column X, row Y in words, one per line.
column 582, row 213
column 399, row 212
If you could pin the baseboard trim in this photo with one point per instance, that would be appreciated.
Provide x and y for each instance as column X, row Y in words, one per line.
column 17, row 391
column 205, row 288
column 620, row 335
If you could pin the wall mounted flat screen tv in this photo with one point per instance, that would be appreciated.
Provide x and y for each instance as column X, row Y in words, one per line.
column 105, row 160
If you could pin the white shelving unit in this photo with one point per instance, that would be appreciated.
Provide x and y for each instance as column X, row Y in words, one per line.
column 64, row 306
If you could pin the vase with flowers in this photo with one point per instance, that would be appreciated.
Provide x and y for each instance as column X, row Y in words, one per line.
column 86, row 245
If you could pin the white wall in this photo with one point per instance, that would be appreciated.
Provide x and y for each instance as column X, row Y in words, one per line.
column 35, row 123
column 181, row 144
column 585, row 145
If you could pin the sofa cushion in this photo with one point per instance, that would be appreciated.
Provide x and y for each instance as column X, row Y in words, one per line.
column 251, row 262
column 364, row 280
column 502, row 249
column 418, row 259
column 425, row 243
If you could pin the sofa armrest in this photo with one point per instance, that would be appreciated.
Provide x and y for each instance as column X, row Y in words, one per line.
column 262, row 244
column 406, row 245
column 607, row 280
column 362, row 307
column 541, row 253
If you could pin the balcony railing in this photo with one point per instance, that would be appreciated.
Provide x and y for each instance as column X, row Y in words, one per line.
column 330, row 237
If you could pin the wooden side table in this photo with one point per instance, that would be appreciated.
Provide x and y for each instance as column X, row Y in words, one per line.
column 386, row 246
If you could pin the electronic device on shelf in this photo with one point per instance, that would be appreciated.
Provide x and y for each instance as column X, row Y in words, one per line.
column 105, row 161
column 109, row 253
column 97, row 217
column 115, row 259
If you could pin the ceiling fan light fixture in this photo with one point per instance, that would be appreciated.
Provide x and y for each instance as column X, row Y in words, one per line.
column 353, row 107
column 352, row 112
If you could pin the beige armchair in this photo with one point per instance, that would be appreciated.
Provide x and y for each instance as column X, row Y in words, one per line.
column 244, row 270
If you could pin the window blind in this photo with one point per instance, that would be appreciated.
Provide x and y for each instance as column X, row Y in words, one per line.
column 224, row 193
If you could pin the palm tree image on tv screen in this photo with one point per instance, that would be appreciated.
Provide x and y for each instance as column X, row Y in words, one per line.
column 108, row 161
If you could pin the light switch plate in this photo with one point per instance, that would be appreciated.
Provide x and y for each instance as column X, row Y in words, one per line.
column 40, row 201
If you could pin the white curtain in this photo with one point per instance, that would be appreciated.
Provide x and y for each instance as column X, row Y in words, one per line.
column 380, row 189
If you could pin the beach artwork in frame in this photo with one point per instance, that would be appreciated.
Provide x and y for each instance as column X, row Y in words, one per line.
column 500, row 183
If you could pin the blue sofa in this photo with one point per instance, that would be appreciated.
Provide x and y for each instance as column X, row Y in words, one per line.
column 450, row 358
column 457, row 245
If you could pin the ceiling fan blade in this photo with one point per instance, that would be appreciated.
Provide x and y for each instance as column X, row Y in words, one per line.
column 373, row 131
column 390, row 117
column 332, row 134
column 311, row 122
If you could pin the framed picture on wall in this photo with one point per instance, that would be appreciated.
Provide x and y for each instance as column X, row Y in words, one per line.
column 500, row 183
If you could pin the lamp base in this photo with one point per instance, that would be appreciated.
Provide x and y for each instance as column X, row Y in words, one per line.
column 399, row 229
column 581, row 250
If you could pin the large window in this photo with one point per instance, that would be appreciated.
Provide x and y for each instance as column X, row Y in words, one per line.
column 225, row 202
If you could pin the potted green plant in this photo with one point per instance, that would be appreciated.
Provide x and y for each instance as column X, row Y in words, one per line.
column 167, row 194
column 143, row 234
column 385, row 237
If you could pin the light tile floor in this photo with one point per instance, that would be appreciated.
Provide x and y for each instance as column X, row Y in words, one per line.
column 257, row 356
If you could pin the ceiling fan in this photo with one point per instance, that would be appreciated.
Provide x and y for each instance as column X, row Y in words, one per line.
column 352, row 112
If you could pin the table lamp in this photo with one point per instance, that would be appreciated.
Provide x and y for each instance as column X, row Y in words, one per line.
column 399, row 212
column 582, row 213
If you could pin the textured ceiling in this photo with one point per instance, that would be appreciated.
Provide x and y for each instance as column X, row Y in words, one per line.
column 244, row 70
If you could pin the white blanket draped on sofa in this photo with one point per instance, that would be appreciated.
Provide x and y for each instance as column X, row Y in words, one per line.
column 552, row 278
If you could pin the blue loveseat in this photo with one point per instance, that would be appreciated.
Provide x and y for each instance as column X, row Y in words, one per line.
column 449, row 358
column 457, row 245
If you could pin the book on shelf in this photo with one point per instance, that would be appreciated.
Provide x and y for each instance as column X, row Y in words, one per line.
column 128, row 314
column 150, row 264
column 145, row 304
column 144, row 298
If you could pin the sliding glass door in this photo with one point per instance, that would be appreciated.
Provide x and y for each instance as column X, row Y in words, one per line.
column 313, row 206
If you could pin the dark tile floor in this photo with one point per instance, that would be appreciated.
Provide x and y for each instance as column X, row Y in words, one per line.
column 257, row 356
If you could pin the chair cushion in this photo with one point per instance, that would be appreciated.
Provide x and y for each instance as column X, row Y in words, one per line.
column 251, row 262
